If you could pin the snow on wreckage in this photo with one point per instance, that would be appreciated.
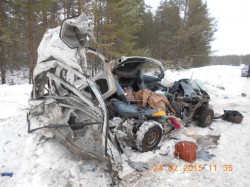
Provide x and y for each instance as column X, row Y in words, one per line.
column 79, row 106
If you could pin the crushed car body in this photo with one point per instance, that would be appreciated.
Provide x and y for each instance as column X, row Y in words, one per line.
column 77, row 95
column 65, row 102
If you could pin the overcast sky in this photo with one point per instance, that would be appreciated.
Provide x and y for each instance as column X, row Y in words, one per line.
column 233, row 23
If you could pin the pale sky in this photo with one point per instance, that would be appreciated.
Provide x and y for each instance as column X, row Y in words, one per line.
column 233, row 24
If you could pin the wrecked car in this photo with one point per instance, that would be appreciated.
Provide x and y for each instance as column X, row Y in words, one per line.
column 191, row 102
column 66, row 103
column 92, row 105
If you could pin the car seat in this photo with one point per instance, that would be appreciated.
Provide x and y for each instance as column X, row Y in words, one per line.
column 125, row 109
column 140, row 81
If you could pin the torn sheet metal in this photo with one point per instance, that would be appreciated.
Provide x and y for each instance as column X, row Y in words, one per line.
column 58, row 103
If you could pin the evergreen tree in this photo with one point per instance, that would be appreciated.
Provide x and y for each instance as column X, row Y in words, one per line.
column 3, row 40
column 167, row 25
column 184, row 30
column 180, row 29
column 145, row 35
column 199, row 28
column 116, row 24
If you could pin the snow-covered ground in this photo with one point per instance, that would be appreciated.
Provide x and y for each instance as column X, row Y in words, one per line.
column 36, row 162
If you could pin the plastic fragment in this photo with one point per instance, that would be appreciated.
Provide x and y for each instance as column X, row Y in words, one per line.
column 7, row 174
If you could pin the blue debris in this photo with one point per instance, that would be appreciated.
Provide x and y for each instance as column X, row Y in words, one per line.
column 7, row 174
column 204, row 155
column 92, row 169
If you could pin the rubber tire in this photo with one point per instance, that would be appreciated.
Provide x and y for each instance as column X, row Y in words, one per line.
column 141, row 143
column 206, row 118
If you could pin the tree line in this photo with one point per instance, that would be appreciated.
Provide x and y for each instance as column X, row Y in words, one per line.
column 179, row 30
column 234, row 60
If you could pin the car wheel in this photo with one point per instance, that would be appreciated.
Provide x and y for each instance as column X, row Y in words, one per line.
column 148, row 136
column 206, row 118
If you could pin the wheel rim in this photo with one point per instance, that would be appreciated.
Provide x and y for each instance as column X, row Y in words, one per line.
column 151, row 138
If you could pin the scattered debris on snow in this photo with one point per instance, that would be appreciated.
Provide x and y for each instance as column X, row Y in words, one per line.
column 36, row 162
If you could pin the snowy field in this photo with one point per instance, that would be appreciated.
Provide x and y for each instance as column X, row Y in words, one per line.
column 36, row 162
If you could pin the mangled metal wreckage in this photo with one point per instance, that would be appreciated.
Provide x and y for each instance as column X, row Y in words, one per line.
column 65, row 102
column 74, row 103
